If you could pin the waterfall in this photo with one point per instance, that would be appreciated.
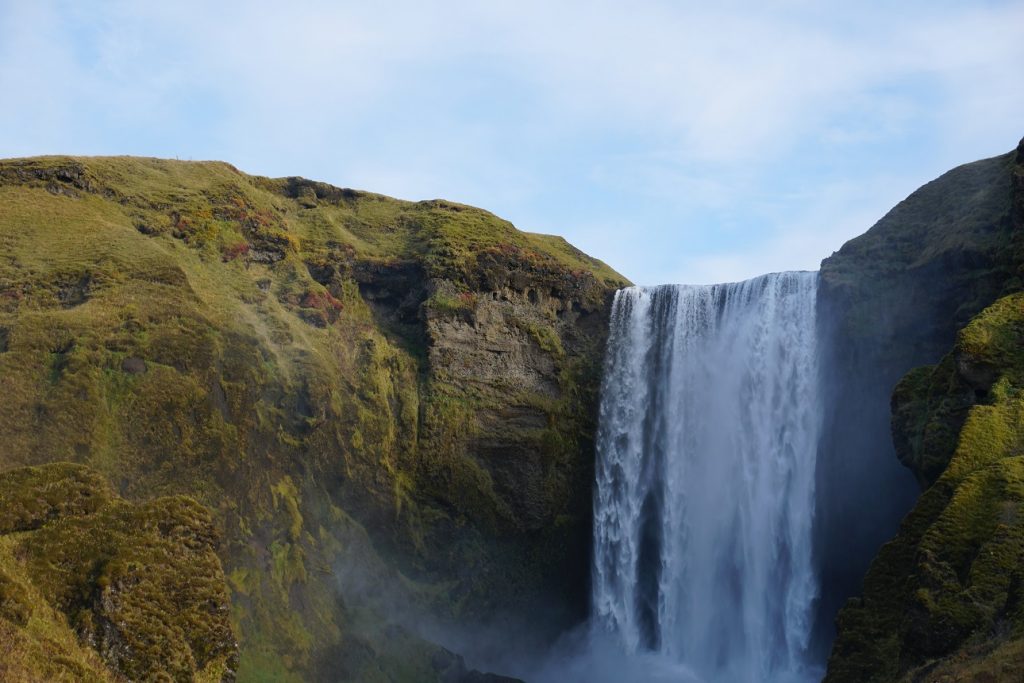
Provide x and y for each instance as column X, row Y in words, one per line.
column 704, row 502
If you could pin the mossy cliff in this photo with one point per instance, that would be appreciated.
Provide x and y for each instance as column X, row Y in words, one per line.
column 942, row 600
column 385, row 404
column 94, row 588
column 890, row 300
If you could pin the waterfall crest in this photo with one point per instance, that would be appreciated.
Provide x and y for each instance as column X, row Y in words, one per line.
column 709, row 424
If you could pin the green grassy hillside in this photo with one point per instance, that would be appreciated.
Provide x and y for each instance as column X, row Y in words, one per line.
column 94, row 588
column 373, row 396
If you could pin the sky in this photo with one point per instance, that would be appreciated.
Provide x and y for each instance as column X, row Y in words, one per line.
column 683, row 142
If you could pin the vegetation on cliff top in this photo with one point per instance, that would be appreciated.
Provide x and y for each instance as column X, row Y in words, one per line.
column 953, row 239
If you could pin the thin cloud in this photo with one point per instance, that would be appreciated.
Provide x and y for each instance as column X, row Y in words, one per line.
column 696, row 132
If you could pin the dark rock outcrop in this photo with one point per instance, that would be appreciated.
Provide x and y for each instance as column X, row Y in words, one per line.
column 452, row 669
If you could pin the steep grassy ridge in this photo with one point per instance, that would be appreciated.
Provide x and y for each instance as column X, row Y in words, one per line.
column 945, row 594
column 373, row 396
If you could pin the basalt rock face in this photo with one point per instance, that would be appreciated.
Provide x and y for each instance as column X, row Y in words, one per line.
column 388, row 406
column 889, row 301
column 941, row 601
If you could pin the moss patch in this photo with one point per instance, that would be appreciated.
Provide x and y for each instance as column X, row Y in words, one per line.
column 948, row 588
column 105, row 588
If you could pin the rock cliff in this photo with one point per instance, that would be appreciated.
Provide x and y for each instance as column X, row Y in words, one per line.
column 388, row 406
column 890, row 300
column 941, row 601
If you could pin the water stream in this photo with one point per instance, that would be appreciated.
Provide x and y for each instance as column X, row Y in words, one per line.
column 709, row 424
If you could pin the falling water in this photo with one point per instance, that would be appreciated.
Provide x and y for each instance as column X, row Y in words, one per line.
column 705, row 477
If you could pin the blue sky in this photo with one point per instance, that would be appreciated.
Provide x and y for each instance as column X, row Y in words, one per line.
column 679, row 142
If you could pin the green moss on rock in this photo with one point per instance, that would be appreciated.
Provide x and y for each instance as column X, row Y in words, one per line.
column 272, row 348
column 139, row 585
column 33, row 496
column 946, row 592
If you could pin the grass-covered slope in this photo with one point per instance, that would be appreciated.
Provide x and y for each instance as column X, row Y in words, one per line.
column 372, row 395
column 94, row 588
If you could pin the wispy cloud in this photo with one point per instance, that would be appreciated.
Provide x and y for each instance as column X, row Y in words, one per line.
column 675, row 140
